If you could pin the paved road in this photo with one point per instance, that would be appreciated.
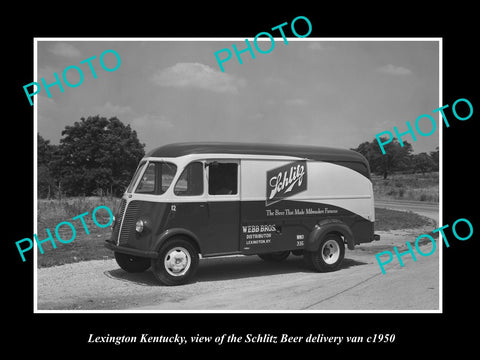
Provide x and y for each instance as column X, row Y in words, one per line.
column 430, row 210
column 249, row 283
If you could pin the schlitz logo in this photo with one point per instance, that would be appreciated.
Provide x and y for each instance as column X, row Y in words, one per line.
column 286, row 181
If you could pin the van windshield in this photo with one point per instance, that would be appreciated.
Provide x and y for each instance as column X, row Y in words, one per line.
column 156, row 178
column 135, row 176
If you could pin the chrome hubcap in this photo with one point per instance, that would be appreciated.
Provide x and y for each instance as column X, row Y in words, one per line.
column 177, row 261
column 330, row 252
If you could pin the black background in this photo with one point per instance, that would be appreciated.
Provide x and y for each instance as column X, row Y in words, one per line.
column 66, row 334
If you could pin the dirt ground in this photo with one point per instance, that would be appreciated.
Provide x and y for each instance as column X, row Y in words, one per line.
column 248, row 283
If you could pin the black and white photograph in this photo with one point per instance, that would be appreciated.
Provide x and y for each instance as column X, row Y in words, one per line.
column 253, row 188
column 232, row 188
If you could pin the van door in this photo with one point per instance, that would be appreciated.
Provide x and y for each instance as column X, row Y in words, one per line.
column 189, row 210
column 223, row 206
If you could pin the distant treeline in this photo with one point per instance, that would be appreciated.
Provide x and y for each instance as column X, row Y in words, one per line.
column 96, row 156
column 397, row 158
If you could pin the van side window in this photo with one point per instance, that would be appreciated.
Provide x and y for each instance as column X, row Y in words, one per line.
column 222, row 179
column 190, row 181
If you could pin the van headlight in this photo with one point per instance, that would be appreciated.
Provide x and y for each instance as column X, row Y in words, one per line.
column 139, row 225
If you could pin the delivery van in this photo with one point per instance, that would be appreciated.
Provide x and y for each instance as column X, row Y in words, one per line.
column 188, row 201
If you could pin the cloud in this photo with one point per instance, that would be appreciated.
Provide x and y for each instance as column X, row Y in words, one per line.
column 394, row 70
column 274, row 81
column 315, row 46
column 44, row 101
column 47, row 73
column 64, row 49
column 196, row 75
column 108, row 109
column 296, row 102
column 143, row 122
column 257, row 116
column 152, row 121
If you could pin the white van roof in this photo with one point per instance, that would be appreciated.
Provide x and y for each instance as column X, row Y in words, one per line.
column 348, row 158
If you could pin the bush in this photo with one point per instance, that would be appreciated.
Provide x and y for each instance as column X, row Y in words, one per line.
column 407, row 187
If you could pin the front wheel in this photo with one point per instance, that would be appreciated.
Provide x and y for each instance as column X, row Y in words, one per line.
column 329, row 255
column 176, row 263
column 132, row 264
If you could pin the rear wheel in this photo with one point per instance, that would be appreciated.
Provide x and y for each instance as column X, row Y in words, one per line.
column 329, row 255
column 176, row 263
column 275, row 256
column 132, row 264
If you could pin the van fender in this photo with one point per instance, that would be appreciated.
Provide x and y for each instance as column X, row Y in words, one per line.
column 167, row 234
column 325, row 227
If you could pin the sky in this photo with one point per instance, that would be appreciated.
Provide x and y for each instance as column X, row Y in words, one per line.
column 310, row 91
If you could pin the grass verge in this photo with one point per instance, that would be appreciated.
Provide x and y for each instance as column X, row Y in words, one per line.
column 417, row 187
column 386, row 220
column 84, row 246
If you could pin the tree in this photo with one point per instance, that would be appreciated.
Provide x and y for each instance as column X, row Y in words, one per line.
column 396, row 157
column 423, row 162
column 434, row 155
column 45, row 176
column 97, row 154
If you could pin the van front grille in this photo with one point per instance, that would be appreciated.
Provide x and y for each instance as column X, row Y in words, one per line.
column 118, row 221
column 128, row 223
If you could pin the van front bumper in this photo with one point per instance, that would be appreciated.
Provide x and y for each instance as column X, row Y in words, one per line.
column 130, row 251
